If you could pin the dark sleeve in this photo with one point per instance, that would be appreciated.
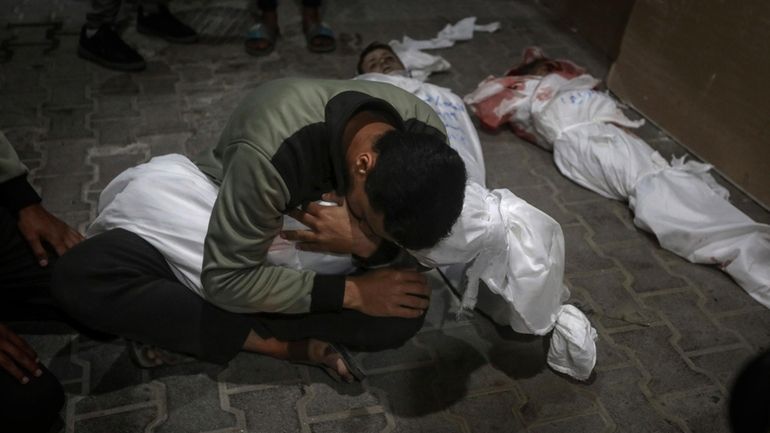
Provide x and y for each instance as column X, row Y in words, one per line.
column 16, row 193
column 328, row 293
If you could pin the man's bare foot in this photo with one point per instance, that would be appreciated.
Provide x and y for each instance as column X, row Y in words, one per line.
column 322, row 354
column 269, row 31
column 322, row 39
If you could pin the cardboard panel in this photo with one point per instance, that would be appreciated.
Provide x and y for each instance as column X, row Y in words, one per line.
column 700, row 69
column 600, row 22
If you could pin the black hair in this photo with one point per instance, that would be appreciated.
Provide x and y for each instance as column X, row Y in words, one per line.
column 418, row 184
column 528, row 68
column 369, row 48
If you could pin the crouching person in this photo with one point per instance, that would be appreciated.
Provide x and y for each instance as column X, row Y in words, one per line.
column 178, row 255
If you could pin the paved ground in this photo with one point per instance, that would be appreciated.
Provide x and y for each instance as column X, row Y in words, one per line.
column 672, row 334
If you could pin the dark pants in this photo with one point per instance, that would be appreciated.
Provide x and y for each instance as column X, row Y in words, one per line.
column 106, row 11
column 24, row 295
column 116, row 282
column 271, row 5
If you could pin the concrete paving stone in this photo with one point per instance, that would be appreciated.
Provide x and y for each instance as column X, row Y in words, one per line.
column 195, row 73
column 21, row 111
column 67, row 65
column 18, row 78
column 511, row 171
column 253, row 369
column 116, row 131
column 111, row 166
column 724, row 365
column 619, row 393
column 593, row 423
column 542, row 198
column 273, row 409
column 158, row 86
column 192, row 399
column 63, row 194
column 155, row 69
column 71, row 93
column 112, row 379
column 753, row 325
column 122, row 422
column 163, row 144
column 490, row 413
column 161, row 118
column 516, row 355
column 329, row 396
column 66, row 123
column 410, row 392
column 608, row 355
column 431, row 423
column 548, row 396
column 116, row 84
column 653, row 348
column 114, row 106
column 582, row 257
column 569, row 191
column 704, row 412
column 609, row 221
column 697, row 331
column 357, row 424
column 65, row 157
column 24, row 142
column 461, row 367
column 411, row 353
column 649, row 275
column 114, row 399
column 616, row 304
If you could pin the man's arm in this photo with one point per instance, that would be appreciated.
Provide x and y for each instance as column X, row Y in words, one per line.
column 246, row 218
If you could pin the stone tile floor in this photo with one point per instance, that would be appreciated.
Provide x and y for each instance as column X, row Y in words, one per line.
column 672, row 334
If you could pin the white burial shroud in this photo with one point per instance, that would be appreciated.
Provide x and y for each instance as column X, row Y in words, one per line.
column 679, row 202
column 515, row 249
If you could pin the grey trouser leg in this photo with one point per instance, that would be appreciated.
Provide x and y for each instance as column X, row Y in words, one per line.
column 118, row 283
column 106, row 11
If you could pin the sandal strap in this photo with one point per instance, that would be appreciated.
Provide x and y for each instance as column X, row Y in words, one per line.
column 320, row 29
column 260, row 31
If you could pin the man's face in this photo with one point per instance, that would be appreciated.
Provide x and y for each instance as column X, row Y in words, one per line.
column 381, row 60
column 371, row 222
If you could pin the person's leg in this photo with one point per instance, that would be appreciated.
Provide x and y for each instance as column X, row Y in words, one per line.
column 118, row 283
column 33, row 407
column 260, row 40
column 101, row 44
column 102, row 12
column 153, row 18
column 320, row 38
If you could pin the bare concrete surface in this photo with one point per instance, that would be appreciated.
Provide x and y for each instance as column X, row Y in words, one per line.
column 671, row 334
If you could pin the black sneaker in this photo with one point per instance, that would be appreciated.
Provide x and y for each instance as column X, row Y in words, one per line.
column 164, row 25
column 107, row 49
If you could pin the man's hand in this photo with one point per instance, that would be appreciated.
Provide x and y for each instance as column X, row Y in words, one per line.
column 16, row 357
column 332, row 230
column 37, row 225
column 388, row 292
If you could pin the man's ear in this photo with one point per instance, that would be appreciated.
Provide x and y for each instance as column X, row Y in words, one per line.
column 364, row 162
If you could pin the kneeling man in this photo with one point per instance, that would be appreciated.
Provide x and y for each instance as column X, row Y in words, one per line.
column 288, row 142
